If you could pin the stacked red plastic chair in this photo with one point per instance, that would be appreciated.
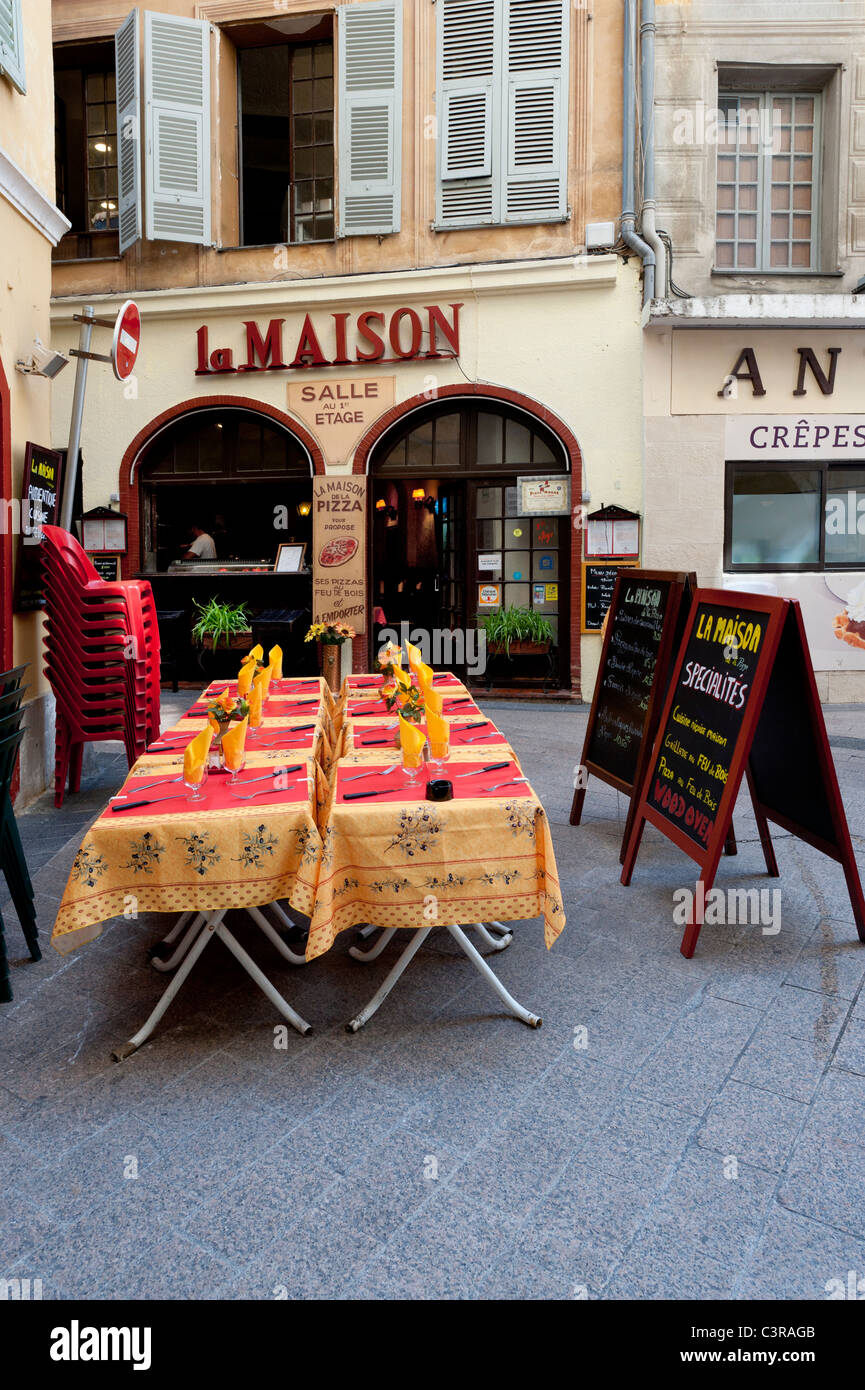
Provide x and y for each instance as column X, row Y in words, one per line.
column 101, row 657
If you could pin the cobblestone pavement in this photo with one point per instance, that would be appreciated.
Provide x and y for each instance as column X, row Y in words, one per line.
column 677, row 1129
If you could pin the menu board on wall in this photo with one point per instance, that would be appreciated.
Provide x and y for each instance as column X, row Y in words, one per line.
column 647, row 616
column 39, row 507
column 743, row 698
column 339, row 549
column 599, row 581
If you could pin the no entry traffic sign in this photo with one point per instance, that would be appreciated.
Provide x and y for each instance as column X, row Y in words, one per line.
column 127, row 340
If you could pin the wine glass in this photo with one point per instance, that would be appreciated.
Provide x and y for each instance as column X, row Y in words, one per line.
column 195, row 790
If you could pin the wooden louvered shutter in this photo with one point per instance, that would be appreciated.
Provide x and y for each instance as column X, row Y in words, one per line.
column 536, row 49
column 12, row 43
column 128, row 131
column 177, row 102
column 467, row 93
column 370, row 118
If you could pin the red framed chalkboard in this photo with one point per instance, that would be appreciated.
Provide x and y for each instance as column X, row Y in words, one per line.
column 743, row 699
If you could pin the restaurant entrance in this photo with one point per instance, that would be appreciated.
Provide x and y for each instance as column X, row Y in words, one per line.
column 244, row 480
column 448, row 542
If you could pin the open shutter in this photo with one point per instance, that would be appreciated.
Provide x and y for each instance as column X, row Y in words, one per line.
column 12, row 43
column 536, row 126
column 466, row 91
column 128, row 131
column 370, row 118
column 177, row 106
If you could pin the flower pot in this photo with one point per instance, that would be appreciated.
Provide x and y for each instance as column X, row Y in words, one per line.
column 330, row 664
column 237, row 641
column 521, row 646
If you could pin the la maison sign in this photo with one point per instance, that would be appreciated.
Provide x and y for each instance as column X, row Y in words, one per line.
column 335, row 340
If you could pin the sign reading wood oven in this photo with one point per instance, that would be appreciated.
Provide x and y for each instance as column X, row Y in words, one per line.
column 339, row 549
column 39, row 507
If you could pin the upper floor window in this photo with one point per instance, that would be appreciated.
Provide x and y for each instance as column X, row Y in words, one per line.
column 502, row 111
column 86, row 150
column 804, row 516
column 12, row 43
column 768, row 182
column 286, row 143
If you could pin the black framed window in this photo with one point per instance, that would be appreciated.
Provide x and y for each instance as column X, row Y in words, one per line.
column 86, row 150
column 809, row 515
column 286, row 105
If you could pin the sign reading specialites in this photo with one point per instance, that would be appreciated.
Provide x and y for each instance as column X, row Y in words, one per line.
column 39, row 507
column 743, row 698
column 339, row 549
column 340, row 410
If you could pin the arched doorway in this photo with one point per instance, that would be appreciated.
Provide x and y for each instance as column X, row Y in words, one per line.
column 235, row 473
column 448, row 539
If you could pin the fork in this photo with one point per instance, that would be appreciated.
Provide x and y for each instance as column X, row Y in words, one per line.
column 360, row 775
column 266, row 790
column 510, row 782
column 162, row 782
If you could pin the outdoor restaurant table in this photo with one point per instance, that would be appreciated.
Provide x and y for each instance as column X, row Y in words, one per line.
column 202, row 858
column 486, row 854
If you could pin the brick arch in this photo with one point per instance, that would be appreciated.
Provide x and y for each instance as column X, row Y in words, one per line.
column 476, row 393
column 128, row 483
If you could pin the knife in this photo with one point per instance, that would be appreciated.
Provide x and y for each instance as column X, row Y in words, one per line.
column 386, row 791
column 131, row 805
column 492, row 767
column 374, row 742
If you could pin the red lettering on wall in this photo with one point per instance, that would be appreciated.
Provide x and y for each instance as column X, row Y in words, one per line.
column 370, row 336
column 263, row 354
column 309, row 353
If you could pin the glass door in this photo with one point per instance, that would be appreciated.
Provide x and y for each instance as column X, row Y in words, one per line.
column 515, row 561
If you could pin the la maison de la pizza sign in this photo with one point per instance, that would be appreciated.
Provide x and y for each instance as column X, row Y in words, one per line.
column 334, row 340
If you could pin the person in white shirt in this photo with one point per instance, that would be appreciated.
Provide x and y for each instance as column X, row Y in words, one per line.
column 201, row 547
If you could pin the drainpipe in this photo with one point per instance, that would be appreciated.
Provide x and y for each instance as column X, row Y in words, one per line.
column 647, row 128
column 628, row 233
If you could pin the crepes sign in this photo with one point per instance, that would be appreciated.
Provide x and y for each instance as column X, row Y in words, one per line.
column 339, row 550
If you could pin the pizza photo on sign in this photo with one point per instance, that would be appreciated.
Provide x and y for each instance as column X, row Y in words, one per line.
column 337, row 552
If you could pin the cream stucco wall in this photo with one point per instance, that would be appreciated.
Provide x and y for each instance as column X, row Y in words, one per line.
column 27, row 139
column 565, row 332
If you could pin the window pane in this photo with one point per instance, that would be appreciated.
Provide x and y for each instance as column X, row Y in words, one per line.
column 545, row 565
column 517, row 534
column 845, row 517
column 447, row 441
column 545, row 532
column 490, row 435
column 776, row 517
column 420, row 446
column 488, row 501
column 517, row 443
column 489, row 535
column 517, row 595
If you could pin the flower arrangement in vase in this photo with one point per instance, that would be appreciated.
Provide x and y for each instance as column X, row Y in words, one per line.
column 220, row 714
column 331, row 636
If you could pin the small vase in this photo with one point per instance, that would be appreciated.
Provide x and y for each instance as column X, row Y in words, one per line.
column 330, row 664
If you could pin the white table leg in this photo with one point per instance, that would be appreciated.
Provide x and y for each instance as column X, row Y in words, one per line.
column 274, row 937
column 205, row 936
column 374, row 951
column 480, row 964
column 495, row 943
column 261, row 980
column 165, row 964
column 419, row 936
column 283, row 916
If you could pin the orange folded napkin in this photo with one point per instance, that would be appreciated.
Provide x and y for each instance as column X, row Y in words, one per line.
column 195, row 756
column 403, row 680
column 255, row 698
column 255, row 653
column 424, row 676
column 275, row 659
column 412, row 740
column 263, row 679
column 438, row 730
column 414, row 654
column 233, row 744
column 433, row 700
column 244, row 681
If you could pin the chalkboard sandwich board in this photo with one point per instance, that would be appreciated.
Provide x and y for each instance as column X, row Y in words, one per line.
column 40, row 505
column 647, row 613
column 743, row 699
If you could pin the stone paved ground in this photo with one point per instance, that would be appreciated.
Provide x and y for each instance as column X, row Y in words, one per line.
column 709, row 1141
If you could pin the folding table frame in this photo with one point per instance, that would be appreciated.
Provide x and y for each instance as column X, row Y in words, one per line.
column 196, row 931
column 497, row 942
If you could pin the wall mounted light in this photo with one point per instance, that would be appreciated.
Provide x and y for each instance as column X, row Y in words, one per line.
column 420, row 499
column 381, row 506
column 304, row 508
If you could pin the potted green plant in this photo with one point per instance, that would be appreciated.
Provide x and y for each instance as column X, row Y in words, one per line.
column 223, row 623
column 516, row 632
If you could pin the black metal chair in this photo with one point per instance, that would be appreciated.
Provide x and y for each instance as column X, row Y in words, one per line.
column 173, row 642
column 12, row 859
